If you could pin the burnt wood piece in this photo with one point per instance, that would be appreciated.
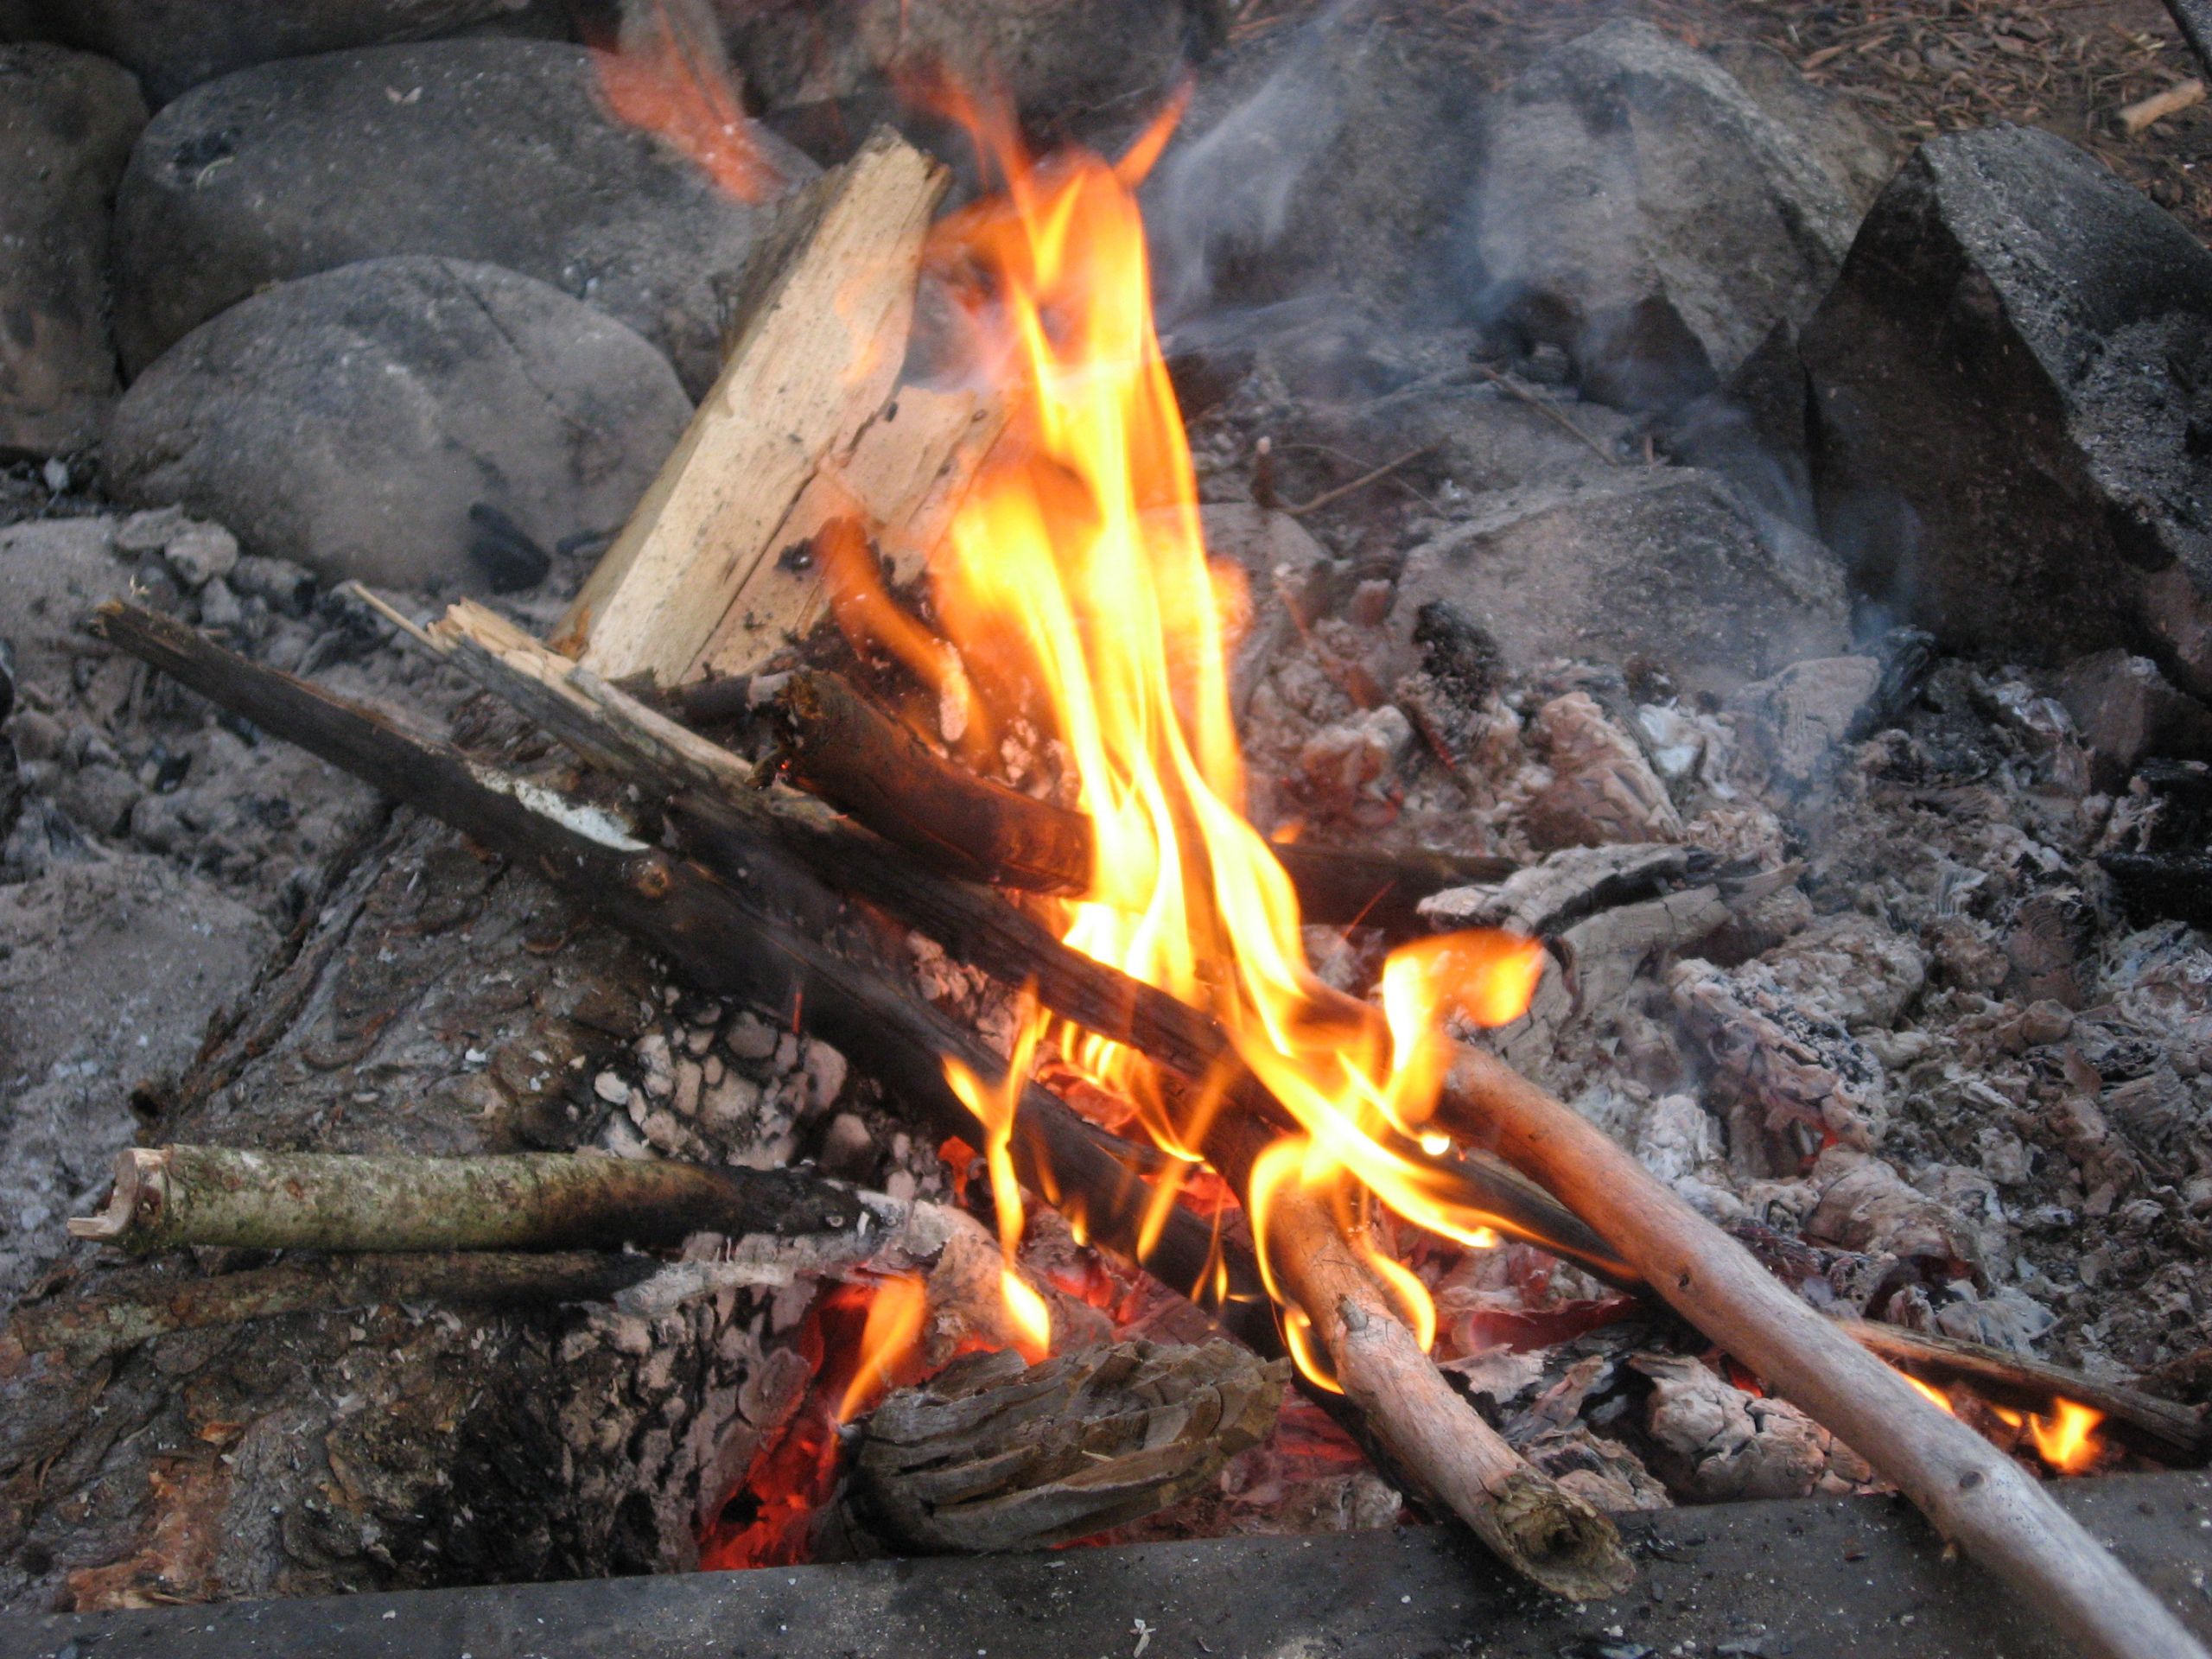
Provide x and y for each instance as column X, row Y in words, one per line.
column 2171, row 1433
column 521, row 1201
column 725, row 936
column 2155, row 885
column 992, row 1454
column 1426, row 1427
column 841, row 746
column 88, row 1329
column 1976, row 1496
column 736, row 829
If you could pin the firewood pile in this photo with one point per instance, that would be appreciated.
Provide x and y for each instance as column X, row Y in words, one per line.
column 986, row 975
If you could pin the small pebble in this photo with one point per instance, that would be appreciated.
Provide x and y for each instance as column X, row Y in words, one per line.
column 611, row 1089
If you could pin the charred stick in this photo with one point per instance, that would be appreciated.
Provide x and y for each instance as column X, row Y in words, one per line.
column 728, row 935
column 1425, row 1427
column 1976, row 1496
column 540, row 1200
column 2171, row 1433
column 85, row 1329
column 841, row 746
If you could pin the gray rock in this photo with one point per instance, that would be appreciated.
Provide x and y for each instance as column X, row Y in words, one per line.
column 1639, row 207
column 175, row 44
column 2012, row 383
column 497, row 151
column 2126, row 711
column 1856, row 151
column 349, row 421
column 1659, row 566
column 67, row 125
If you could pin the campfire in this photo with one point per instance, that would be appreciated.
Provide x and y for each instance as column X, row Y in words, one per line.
column 920, row 733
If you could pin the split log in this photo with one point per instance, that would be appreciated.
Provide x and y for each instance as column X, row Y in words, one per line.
column 812, row 367
column 550, row 1200
column 1431, row 1432
column 1977, row 1496
column 2171, row 1433
column 993, row 1454
column 841, row 746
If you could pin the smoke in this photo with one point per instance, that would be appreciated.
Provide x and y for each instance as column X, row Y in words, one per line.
column 1224, row 198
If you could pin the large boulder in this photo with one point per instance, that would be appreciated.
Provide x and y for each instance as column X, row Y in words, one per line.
column 175, row 44
column 2012, row 382
column 498, row 151
column 350, row 421
column 1663, row 569
column 67, row 125
column 1638, row 207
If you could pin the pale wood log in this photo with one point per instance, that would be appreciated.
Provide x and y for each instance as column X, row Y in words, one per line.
column 2138, row 118
column 540, row 1200
column 1976, row 1496
column 818, row 356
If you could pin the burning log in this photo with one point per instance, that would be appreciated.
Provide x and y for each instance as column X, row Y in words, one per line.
column 993, row 1454
column 730, row 937
column 326, row 1201
column 726, row 822
column 839, row 746
column 1977, row 1496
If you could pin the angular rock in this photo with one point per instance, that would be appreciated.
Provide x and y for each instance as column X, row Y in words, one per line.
column 1659, row 566
column 2012, row 385
column 498, row 151
column 348, row 421
column 67, row 125
column 1638, row 207
column 173, row 44
column 2126, row 711
column 1800, row 719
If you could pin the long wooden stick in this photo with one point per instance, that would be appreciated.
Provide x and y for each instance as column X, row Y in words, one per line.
column 535, row 1200
column 1977, row 1496
column 841, row 746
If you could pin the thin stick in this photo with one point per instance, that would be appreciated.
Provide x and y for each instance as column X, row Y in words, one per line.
column 1544, row 1532
column 543, row 1200
column 1557, row 417
column 1976, row 1496
column 2174, row 1434
column 2138, row 118
column 1300, row 509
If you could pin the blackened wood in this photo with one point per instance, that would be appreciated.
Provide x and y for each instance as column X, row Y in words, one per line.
column 839, row 746
column 728, row 937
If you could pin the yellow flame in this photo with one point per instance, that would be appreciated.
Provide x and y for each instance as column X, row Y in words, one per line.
column 1077, row 568
column 995, row 1107
column 895, row 1314
column 2066, row 1440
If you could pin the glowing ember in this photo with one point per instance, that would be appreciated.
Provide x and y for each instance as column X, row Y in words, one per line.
column 1077, row 569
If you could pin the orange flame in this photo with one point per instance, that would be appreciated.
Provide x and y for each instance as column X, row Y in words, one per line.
column 1078, row 567
column 895, row 1316
column 669, row 76
column 1032, row 1318
column 2066, row 1440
